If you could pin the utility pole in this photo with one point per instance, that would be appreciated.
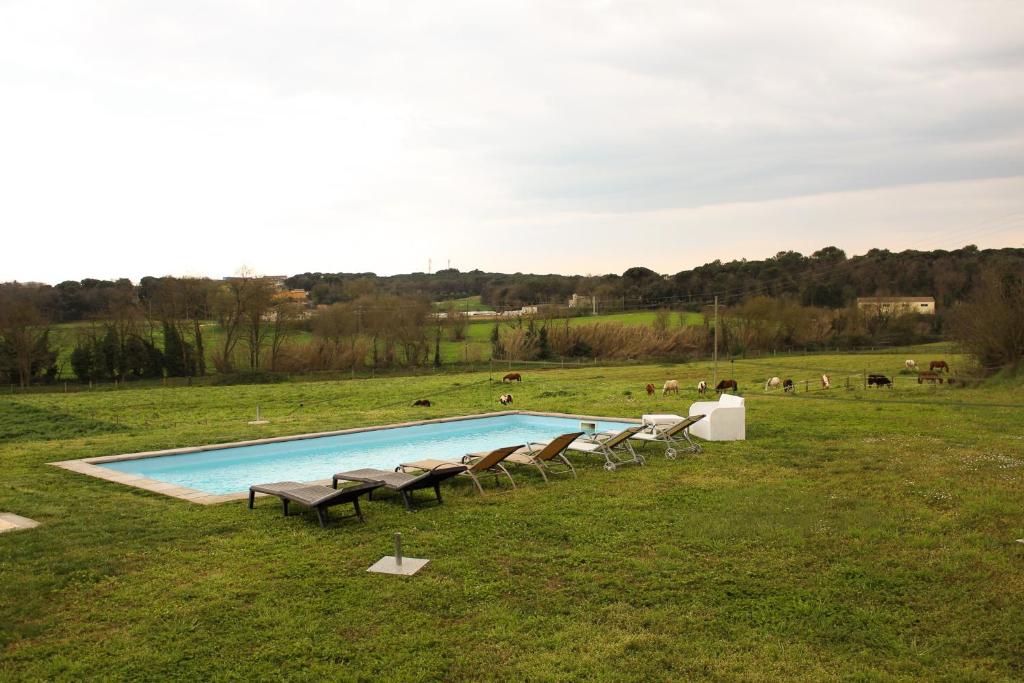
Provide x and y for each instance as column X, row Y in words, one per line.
column 714, row 372
column 593, row 300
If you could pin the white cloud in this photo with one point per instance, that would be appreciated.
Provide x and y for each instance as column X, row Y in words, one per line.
column 142, row 138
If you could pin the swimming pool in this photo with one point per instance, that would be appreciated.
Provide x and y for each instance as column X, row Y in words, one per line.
column 233, row 468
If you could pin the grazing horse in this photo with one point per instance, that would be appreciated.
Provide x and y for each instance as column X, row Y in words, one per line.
column 788, row 386
column 670, row 386
column 506, row 399
column 929, row 376
column 650, row 389
column 910, row 364
column 702, row 387
column 772, row 383
column 879, row 381
column 938, row 365
column 422, row 402
column 727, row 384
column 826, row 382
column 512, row 377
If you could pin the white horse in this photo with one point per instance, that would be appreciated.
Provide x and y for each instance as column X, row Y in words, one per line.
column 671, row 385
column 911, row 364
column 702, row 387
column 826, row 382
column 773, row 383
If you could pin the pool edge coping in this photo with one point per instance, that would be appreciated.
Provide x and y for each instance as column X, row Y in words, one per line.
column 91, row 466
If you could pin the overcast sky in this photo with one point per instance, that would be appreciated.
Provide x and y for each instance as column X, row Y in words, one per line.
column 579, row 137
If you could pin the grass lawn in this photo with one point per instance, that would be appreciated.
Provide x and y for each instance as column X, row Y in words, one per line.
column 861, row 534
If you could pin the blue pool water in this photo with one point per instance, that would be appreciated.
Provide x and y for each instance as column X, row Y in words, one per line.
column 228, row 470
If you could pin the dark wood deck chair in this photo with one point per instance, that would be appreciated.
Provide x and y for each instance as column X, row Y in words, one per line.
column 402, row 482
column 615, row 447
column 673, row 436
column 476, row 464
column 544, row 456
column 315, row 497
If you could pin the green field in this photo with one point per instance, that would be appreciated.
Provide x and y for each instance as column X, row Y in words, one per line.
column 856, row 534
column 478, row 333
column 469, row 303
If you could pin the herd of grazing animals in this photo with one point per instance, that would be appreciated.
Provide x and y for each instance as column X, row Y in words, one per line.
column 672, row 386
column 788, row 385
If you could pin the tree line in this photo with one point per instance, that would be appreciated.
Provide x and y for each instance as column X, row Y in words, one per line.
column 187, row 327
column 827, row 278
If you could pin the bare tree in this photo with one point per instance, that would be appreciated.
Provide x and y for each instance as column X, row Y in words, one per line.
column 257, row 301
column 24, row 331
column 284, row 317
column 990, row 325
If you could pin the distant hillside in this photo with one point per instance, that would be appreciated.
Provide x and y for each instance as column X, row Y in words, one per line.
column 825, row 278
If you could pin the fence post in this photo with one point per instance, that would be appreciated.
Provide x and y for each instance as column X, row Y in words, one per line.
column 864, row 374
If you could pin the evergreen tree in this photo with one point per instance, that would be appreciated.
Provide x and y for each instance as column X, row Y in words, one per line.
column 437, row 348
column 543, row 352
column 179, row 358
column 497, row 350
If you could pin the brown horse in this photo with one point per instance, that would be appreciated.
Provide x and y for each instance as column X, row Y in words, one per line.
column 422, row 402
column 727, row 384
column 929, row 376
column 938, row 365
column 650, row 389
column 512, row 377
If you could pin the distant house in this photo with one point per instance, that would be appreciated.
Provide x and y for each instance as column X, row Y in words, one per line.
column 897, row 305
column 578, row 301
column 524, row 311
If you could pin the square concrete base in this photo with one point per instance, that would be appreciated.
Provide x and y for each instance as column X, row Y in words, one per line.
column 387, row 565
column 10, row 522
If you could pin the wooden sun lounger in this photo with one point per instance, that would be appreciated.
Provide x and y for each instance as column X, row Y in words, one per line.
column 612, row 447
column 544, row 455
column 670, row 436
column 314, row 496
column 476, row 464
column 402, row 482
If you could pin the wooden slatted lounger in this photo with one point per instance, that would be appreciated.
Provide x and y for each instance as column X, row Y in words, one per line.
column 544, row 455
column 404, row 483
column 476, row 463
column 612, row 447
column 670, row 434
column 314, row 496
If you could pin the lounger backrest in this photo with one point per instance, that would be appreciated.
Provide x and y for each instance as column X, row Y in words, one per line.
column 439, row 473
column 621, row 436
column 493, row 458
column 681, row 425
column 557, row 445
